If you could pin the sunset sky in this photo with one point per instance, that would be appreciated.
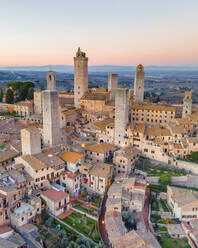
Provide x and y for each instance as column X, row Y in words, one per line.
column 116, row 32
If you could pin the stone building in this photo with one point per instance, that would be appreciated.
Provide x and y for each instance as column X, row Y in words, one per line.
column 51, row 118
column 30, row 141
column 187, row 104
column 139, row 83
column 24, row 108
column 152, row 113
column 95, row 101
column 51, row 80
column 112, row 84
column 57, row 201
column 121, row 115
column 80, row 76
column 38, row 102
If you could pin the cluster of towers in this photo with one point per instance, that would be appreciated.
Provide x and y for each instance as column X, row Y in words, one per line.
column 50, row 100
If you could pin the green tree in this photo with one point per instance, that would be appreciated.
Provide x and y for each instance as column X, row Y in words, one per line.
column 20, row 89
column 30, row 94
column 194, row 156
column 165, row 179
column 1, row 95
column 72, row 244
column 9, row 96
column 42, row 87
column 129, row 220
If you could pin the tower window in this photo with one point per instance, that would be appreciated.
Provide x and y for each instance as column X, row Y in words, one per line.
column 50, row 77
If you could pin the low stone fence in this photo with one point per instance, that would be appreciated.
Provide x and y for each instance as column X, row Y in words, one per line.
column 163, row 214
column 188, row 166
column 152, row 180
column 88, row 215
column 140, row 172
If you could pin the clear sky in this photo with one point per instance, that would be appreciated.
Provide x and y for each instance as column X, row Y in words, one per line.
column 119, row 32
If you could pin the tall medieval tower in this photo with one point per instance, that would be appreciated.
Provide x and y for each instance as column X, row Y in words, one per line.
column 139, row 83
column 121, row 115
column 187, row 104
column 30, row 141
column 112, row 84
column 80, row 76
column 51, row 80
column 51, row 114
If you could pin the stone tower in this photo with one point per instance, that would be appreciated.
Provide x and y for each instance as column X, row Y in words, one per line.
column 51, row 116
column 30, row 141
column 80, row 76
column 121, row 115
column 38, row 102
column 112, row 84
column 139, row 83
column 187, row 104
column 51, row 80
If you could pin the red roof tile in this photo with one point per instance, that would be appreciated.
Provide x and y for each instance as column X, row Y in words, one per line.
column 54, row 195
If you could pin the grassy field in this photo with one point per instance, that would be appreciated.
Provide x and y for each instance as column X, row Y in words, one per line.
column 79, row 205
column 167, row 242
column 84, row 225
column 155, row 170
column 157, row 188
column 160, row 228
column 164, row 205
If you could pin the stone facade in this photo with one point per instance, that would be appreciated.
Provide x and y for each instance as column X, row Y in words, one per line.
column 112, row 84
column 31, row 141
column 121, row 115
column 38, row 102
column 80, row 76
column 139, row 83
column 152, row 113
column 51, row 118
column 187, row 104
column 51, row 80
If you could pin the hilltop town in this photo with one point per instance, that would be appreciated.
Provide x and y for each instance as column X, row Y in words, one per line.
column 97, row 167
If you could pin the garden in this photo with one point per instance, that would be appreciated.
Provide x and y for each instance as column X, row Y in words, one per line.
column 86, row 208
column 55, row 235
column 157, row 170
column 93, row 198
column 167, row 242
column 84, row 225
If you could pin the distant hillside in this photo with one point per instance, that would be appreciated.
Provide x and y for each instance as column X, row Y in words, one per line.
column 100, row 68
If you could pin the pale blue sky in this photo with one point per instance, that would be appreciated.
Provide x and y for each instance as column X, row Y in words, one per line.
column 126, row 32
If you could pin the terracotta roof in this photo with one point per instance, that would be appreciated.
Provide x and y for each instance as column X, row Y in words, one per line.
column 18, row 166
column 100, row 148
column 130, row 239
column 154, row 107
column 34, row 162
column 5, row 229
column 69, row 174
column 71, row 157
column 54, row 195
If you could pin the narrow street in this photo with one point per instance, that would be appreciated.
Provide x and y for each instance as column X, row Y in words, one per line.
column 146, row 210
column 101, row 223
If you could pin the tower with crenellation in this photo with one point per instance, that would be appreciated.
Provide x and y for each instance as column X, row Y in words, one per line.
column 139, row 83
column 80, row 76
